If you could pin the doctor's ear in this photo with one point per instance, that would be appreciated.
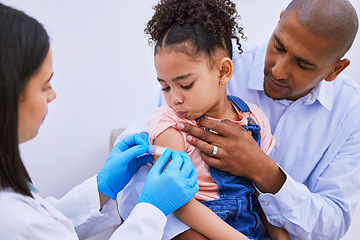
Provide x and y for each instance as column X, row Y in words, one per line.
column 226, row 70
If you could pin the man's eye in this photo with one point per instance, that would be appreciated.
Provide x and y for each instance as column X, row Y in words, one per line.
column 165, row 89
column 278, row 47
column 188, row 86
column 303, row 65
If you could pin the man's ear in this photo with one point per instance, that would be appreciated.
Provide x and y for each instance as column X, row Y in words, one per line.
column 339, row 66
column 281, row 14
column 226, row 70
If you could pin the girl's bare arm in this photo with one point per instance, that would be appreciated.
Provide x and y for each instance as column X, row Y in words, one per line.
column 203, row 220
column 195, row 214
column 275, row 233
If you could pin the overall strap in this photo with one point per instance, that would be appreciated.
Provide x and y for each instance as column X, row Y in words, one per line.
column 239, row 103
column 243, row 107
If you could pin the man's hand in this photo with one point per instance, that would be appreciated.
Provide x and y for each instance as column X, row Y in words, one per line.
column 237, row 152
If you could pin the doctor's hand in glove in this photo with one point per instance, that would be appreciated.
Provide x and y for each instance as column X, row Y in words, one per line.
column 122, row 164
column 170, row 187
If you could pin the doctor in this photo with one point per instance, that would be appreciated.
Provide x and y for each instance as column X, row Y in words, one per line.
column 25, row 90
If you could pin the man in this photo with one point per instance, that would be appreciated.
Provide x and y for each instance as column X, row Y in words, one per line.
column 309, row 183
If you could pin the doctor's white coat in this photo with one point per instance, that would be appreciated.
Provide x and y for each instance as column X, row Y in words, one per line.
column 75, row 216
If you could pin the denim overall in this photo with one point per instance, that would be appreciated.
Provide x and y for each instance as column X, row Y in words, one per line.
column 238, row 204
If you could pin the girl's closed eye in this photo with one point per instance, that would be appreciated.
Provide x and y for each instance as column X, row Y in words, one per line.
column 165, row 89
column 187, row 86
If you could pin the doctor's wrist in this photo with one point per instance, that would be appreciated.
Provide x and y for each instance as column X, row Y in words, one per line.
column 103, row 200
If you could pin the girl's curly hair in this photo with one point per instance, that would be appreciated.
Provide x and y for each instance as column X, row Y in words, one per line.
column 207, row 24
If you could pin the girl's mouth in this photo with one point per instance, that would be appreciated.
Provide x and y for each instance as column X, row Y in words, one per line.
column 182, row 114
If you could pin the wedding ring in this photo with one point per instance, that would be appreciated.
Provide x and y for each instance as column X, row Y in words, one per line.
column 215, row 149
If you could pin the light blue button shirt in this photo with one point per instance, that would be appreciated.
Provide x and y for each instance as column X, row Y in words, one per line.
column 317, row 146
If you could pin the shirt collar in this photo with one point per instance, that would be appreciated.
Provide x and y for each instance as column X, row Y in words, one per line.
column 256, row 80
column 323, row 92
column 326, row 94
column 32, row 187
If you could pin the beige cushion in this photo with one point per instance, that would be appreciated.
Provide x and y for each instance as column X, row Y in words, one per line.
column 113, row 136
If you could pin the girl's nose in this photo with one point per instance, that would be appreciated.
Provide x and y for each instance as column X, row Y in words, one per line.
column 177, row 98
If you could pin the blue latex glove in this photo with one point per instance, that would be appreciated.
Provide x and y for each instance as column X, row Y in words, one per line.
column 122, row 164
column 171, row 188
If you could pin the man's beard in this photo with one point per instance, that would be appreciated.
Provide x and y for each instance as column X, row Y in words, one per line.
column 267, row 94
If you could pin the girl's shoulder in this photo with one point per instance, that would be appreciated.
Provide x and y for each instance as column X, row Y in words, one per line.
column 167, row 114
column 259, row 117
column 257, row 114
column 163, row 119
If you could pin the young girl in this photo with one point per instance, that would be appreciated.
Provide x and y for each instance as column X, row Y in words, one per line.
column 193, row 50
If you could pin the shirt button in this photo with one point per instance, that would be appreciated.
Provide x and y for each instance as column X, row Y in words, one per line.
column 266, row 203
column 277, row 144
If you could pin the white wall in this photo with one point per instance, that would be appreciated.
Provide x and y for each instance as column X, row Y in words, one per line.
column 104, row 76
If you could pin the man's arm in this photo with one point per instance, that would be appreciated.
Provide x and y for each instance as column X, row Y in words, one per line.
column 328, row 199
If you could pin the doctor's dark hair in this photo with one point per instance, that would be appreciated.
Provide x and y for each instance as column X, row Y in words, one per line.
column 24, row 45
column 207, row 25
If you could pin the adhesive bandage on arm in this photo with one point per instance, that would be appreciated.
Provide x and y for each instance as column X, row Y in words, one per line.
column 156, row 150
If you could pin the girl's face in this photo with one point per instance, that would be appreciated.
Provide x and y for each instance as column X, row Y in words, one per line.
column 33, row 102
column 191, row 87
